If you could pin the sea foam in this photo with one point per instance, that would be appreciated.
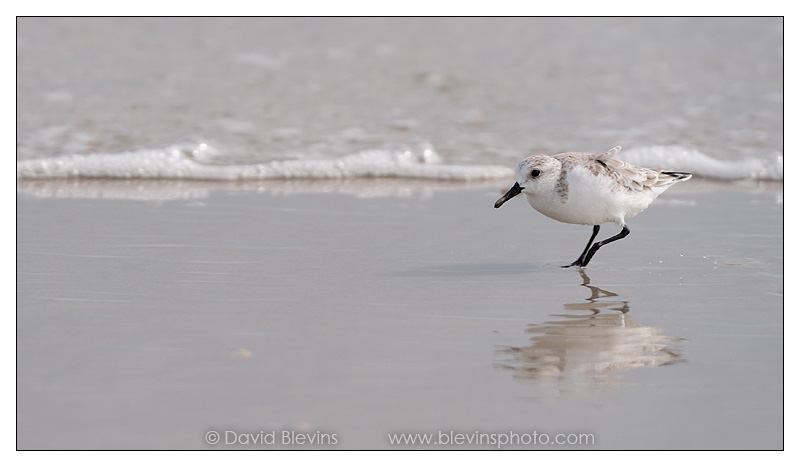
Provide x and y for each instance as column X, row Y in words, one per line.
column 769, row 167
column 201, row 162
column 183, row 162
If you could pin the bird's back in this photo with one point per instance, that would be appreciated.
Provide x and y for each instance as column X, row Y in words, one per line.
column 596, row 188
column 624, row 174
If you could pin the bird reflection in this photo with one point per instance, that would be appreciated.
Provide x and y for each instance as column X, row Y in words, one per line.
column 591, row 343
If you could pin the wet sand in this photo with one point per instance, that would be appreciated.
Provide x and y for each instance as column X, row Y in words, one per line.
column 335, row 314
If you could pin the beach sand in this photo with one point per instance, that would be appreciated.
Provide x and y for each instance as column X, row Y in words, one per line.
column 149, row 314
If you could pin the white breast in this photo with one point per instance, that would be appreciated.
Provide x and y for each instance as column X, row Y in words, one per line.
column 591, row 200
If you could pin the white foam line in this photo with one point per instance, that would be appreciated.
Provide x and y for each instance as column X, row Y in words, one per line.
column 182, row 163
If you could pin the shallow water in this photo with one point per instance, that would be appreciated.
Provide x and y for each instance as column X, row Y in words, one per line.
column 145, row 324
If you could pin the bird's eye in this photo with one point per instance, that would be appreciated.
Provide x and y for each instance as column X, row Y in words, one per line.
column 535, row 173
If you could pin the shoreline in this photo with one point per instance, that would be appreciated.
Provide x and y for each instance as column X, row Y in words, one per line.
column 143, row 189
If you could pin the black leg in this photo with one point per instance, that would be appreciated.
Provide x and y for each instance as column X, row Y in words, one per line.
column 579, row 261
column 597, row 245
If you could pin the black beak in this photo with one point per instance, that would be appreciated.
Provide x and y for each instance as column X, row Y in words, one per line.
column 514, row 191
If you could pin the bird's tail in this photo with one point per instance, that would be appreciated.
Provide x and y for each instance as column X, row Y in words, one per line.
column 678, row 176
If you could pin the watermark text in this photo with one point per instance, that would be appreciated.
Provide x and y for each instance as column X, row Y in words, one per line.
column 270, row 438
column 498, row 440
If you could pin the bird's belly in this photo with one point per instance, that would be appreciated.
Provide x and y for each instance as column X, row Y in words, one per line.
column 590, row 210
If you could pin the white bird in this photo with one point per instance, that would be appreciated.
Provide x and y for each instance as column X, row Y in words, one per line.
column 589, row 189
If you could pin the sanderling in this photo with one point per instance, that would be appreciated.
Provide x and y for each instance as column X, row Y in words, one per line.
column 589, row 189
